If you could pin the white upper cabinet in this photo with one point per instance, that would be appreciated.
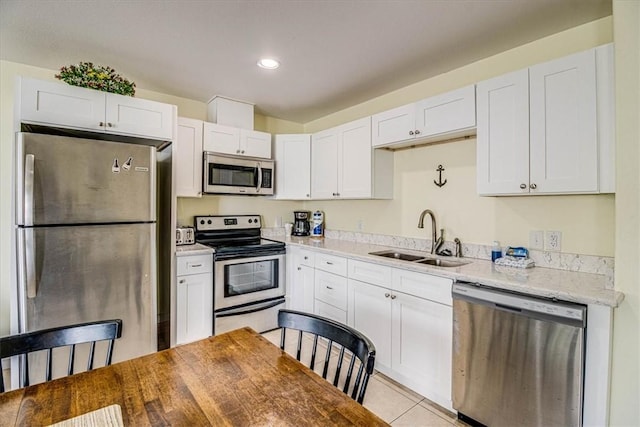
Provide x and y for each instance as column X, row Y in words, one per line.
column 189, row 158
column 548, row 129
column 449, row 115
column 61, row 105
column 324, row 164
column 344, row 165
column 238, row 142
column 293, row 166
column 503, row 133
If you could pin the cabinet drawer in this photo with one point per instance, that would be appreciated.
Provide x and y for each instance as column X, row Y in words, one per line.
column 422, row 285
column 370, row 273
column 194, row 264
column 331, row 263
column 327, row 310
column 331, row 289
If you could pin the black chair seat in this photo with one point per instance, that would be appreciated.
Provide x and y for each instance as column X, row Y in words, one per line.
column 345, row 337
column 48, row 339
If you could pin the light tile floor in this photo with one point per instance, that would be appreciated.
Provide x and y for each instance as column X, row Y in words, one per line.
column 389, row 400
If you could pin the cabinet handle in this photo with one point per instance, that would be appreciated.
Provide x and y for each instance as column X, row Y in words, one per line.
column 533, row 186
column 335, row 194
column 387, row 295
column 181, row 281
column 110, row 125
column 101, row 124
column 307, row 195
column 417, row 132
column 299, row 268
column 242, row 152
column 330, row 288
column 410, row 132
column 338, row 194
column 238, row 151
column 523, row 186
column 329, row 263
column 306, row 257
column 393, row 296
column 195, row 265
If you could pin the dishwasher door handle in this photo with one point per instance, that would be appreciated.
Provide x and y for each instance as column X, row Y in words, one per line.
column 508, row 308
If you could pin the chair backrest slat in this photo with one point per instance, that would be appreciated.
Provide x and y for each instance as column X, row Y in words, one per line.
column 359, row 346
column 48, row 339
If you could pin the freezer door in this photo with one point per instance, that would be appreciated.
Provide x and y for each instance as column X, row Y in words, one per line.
column 65, row 180
column 88, row 273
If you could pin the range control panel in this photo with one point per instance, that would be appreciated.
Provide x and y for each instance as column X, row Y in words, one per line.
column 227, row 222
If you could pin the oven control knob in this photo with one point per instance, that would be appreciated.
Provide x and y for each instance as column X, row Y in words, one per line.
column 202, row 221
column 209, row 222
column 250, row 220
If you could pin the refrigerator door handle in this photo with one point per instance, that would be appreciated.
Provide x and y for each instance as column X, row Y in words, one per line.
column 30, row 262
column 29, row 166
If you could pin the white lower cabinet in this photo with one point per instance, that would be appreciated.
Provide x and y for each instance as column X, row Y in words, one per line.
column 194, row 298
column 300, row 280
column 412, row 333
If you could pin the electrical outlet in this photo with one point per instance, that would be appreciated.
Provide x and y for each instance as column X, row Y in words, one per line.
column 552, row 241
column 536, row 240
column 360, row 225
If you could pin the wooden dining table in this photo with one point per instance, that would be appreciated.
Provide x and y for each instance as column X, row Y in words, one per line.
column 238, row 378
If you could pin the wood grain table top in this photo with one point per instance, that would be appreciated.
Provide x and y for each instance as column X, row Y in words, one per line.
column 238, row 378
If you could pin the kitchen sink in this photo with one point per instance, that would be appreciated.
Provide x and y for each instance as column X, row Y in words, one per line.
column 438, row 262
column 397, row 255
column 441, row 262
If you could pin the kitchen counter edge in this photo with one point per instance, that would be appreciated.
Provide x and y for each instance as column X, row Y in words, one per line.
column 195, row 249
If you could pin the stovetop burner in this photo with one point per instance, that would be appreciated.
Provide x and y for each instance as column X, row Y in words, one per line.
column 233, row 234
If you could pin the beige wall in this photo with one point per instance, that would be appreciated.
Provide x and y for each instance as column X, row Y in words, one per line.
column 625, row 384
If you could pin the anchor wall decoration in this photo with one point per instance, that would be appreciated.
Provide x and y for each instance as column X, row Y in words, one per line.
column 439, row 182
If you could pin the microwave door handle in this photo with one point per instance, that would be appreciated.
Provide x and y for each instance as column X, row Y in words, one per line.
column 259, row 178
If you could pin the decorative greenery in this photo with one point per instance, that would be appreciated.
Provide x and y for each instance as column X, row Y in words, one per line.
column 85, row 74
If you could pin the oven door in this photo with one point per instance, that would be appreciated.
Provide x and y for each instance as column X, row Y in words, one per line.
column 243, row 279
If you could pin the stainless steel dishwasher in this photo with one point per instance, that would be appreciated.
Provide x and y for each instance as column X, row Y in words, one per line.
column 517, row 360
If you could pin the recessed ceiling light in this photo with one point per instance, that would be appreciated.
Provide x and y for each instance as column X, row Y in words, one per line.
column 268, row 63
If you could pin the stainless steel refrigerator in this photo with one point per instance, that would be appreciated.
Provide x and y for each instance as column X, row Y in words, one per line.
column 86, row 236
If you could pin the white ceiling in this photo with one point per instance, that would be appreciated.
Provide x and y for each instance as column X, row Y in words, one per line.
column 334, row 54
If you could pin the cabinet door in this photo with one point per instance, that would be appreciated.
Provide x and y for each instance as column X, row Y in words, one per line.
column 61, row 105
column 189, row 158
column 301, row 289
column 370, row 313
column 354, row 159
column 324, row 164
column 293, row 166
column 564, row 139
column 194, row 307
column 255, row 144
column 503, row 134
column 221, row 139
column 447, row 113
column 421, row 346
column 396, row 125
column 126, row 115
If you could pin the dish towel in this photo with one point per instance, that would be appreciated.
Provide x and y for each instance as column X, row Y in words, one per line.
column 511, row 261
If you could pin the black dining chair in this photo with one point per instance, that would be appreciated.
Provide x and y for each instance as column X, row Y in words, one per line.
column 48, row 339
column 345, row 337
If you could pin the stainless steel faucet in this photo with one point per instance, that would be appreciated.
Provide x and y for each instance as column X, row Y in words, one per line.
column 433, row 227
column 458, row 247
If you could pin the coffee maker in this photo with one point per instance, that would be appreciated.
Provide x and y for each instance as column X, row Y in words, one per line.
column 301, row 225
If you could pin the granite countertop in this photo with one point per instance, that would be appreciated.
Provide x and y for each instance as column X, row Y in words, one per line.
column 564, row 285
column 195, row 249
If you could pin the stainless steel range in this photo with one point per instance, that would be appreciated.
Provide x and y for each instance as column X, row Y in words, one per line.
column 248, row 275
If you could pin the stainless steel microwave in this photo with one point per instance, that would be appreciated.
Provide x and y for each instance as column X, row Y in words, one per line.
column 237, row 175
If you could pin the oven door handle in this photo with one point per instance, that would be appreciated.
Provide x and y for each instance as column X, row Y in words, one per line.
column 250, row 308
